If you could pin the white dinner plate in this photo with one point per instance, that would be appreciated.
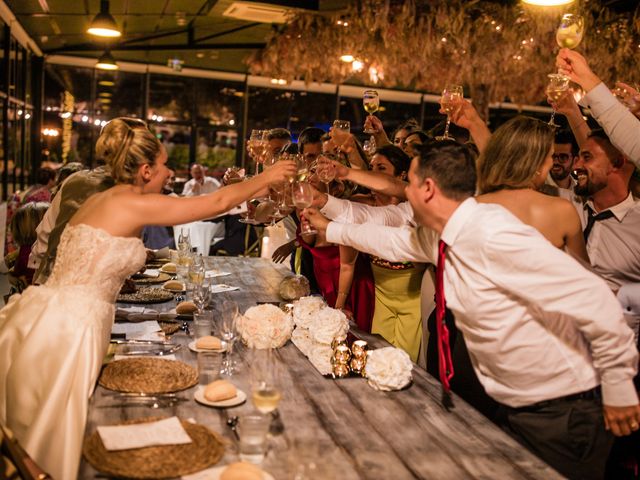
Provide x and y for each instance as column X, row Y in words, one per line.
column 193, row 348
column 240, row 398
column 214, row 474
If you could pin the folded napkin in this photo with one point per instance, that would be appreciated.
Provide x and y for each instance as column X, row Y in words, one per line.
column 221, row 287
column 152, row 272
column 136, row 330
column 163, row 432
column 171, row 356
column 140, row 314
column 215, row 274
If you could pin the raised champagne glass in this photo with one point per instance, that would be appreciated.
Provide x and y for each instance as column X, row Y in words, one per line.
column 303, row 198
column 450, row 95
column 570, row 31
column 340, row 132
column 371, row 103
column 556, row 89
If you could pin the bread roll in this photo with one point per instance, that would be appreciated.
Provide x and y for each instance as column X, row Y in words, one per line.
column 169, row 268
column 185, row 308
column 220, row 390
column 173, row 285
column 242, row 471
column 209, row 343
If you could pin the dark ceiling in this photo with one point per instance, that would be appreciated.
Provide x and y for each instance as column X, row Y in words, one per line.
column 194, row 31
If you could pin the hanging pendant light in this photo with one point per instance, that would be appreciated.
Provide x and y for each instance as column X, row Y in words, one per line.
column 107, row 62
column 548, row 3
column 103, row 25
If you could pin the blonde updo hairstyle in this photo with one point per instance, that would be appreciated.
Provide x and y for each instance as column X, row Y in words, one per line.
column 514, row 154
column 124, row 145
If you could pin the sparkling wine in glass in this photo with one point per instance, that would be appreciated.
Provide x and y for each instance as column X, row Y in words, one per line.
column 450, row 95
column 265, row 388
column 303, row 198
column 341, row 131
column 371, row 103
column 570, row 31
column 556, row 89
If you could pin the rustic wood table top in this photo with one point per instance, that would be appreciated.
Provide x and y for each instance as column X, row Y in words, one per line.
column 340, row 428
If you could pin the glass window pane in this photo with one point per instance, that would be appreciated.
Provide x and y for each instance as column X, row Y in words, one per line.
column 170, row 97
column 119, row 94
column 218, row 102
column 216, row 149
column 176, row 139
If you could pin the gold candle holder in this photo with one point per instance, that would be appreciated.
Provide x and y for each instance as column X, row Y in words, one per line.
column 359, row 348
column 358, row 364
column 340, row 370
column 337, row 343
column 342, row 354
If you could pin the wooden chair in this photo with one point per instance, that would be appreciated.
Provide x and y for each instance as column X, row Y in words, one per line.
column 16, row 463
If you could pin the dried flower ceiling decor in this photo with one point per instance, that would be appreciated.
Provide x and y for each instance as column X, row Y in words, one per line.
column 498, row 52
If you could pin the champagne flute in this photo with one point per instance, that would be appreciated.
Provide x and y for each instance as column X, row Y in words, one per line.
column 303, row 198
column 556, row 89
column 229, row 333
column 450, row 95
column 570, row 31
column 196, row 270
column 371, row 103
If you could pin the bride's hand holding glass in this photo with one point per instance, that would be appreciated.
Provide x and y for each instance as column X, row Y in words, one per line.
column 316, row 219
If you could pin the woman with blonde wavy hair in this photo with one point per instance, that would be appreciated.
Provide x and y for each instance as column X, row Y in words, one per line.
column 513, row 166
column 53, row 337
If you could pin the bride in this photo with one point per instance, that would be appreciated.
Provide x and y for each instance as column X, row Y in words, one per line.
column 53, row 337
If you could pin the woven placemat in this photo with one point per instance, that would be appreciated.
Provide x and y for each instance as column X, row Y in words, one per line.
column 145, row 280
column 148, row 375
column 165, row 461
column 169, row 328
column 146, row 295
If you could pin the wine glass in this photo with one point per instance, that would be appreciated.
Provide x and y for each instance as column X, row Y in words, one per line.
column 265, row 388
column 201, row 294
column 340, row 132
column 229, row 333
column 556, row 89
column 450, row 95
column 570, row 31
column 371, row 103
column 196, row 270
column 303, row 198
column 325, row 171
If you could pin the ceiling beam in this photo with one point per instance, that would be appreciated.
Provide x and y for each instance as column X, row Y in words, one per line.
column 155, row 48
column 227, row 32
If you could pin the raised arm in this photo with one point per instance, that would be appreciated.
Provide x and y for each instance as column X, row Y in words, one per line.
column 348, row 257
column 378, row 182
column 465, row 115
column 568, row 107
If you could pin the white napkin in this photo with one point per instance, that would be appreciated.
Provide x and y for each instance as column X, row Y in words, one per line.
column 136, row 330
column 162, row 253
column 215, row 274
column 221, row 287
column 163, row 432
column 171, row 356
column 152, row 272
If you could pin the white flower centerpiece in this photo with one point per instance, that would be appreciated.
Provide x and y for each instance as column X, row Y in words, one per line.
column 265, row 326
column 388, row 369
column 317, row 326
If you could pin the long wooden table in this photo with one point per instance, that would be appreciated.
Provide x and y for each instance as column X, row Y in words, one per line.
column 343, row 428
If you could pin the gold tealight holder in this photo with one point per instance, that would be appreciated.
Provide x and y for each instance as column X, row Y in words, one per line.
column 358, row 364
column 340, row 370
column 359, row 349
column 342, row 354
column 336, row 343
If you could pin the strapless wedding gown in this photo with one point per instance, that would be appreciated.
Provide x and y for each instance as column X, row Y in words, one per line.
column 53, row 339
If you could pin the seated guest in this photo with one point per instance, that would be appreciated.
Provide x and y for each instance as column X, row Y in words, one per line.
column 546, row 337
column 41, row 191
column 199, row 184
column 65, row 172
column 23, row 230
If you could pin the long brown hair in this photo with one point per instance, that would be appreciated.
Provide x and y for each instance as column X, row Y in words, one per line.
column 514, row 154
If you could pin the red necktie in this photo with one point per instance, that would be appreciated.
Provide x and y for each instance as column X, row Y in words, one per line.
column 444, row 351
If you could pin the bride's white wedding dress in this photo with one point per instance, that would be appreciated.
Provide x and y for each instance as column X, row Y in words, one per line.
column 53, row 339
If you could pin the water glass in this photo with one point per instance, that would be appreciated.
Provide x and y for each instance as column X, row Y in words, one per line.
column 252, row 430
column 208, row 367
column 203, row 323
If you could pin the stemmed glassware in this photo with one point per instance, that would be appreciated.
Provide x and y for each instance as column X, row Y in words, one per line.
column 228, row 333
column 303, row 198
column 570, row 31
column 265, row 384
column 201, row 294
column 371, row 103
column 325, row 171
column 340, row 132
column 450, row 95
column 556, row 89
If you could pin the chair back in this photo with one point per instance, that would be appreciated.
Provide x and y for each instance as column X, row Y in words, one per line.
column 25, row 467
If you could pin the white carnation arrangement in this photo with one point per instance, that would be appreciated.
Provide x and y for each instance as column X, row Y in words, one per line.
column 388, row 368
column 265, row 326
column 317, row 325
column 305, row 310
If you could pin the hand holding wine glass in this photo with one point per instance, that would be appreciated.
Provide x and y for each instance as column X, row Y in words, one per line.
column 371, row 103
column 450, row 95
column 303, row 198
column 556, row 89
column 315, row 218
column 340, row 132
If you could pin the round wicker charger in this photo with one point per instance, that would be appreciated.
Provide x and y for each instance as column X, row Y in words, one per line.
column 146, row 295
column 148, row 375
column 165, row 461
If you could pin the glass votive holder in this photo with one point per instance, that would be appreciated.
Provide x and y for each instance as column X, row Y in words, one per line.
column 209, row 364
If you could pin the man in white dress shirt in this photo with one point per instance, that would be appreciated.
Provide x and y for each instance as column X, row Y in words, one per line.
column 199, row 184
column 546, row 337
